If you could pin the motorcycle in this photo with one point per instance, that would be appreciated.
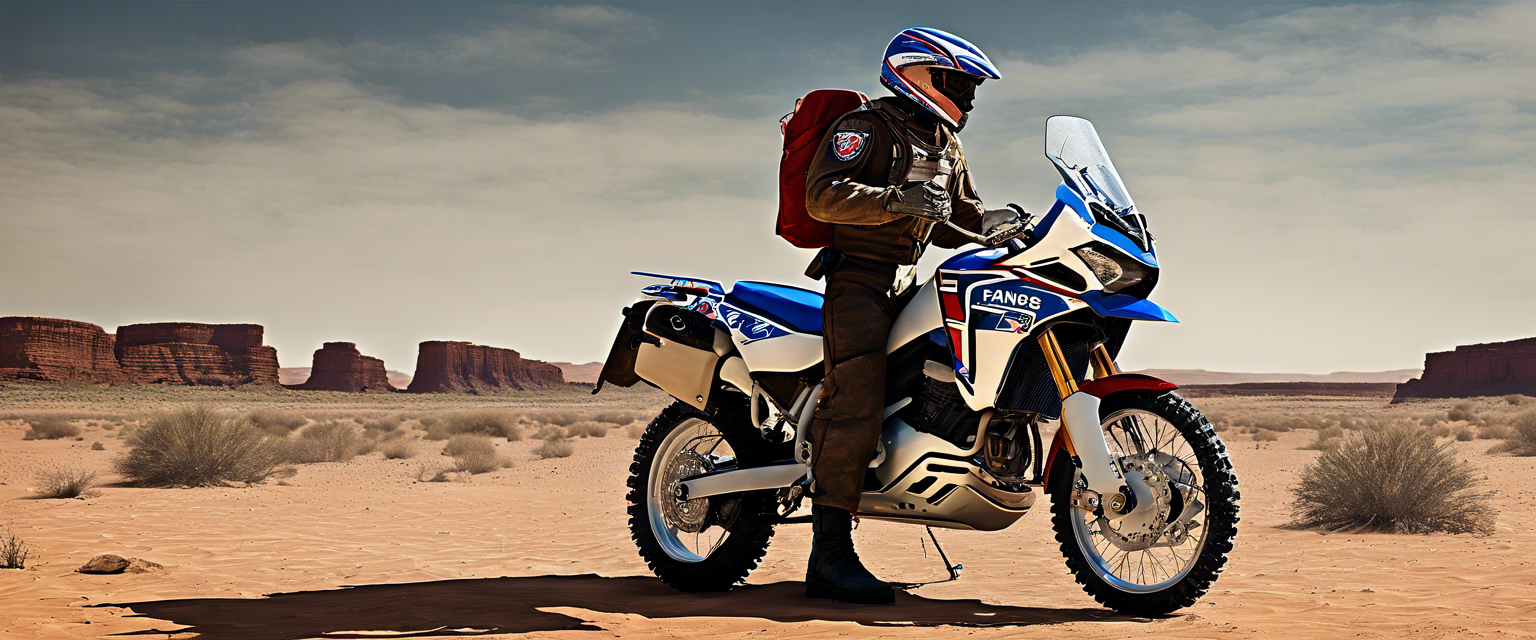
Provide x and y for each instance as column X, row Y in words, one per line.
column 992, row 353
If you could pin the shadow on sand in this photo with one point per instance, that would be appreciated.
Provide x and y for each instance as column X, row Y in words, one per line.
column 513, row 605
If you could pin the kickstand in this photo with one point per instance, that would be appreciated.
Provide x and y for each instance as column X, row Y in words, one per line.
column 953, row 568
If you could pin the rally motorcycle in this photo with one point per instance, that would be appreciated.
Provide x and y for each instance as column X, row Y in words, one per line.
column 992, row 354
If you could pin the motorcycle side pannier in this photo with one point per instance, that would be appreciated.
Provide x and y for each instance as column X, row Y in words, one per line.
column 682, row 355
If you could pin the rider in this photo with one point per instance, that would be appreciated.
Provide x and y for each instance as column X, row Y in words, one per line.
column 889, row 175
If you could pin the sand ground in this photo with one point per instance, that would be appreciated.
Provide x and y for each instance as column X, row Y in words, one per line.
column 362, row 550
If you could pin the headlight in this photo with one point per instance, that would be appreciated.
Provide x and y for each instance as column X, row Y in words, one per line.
column 1116, row 272
column 1104, row 267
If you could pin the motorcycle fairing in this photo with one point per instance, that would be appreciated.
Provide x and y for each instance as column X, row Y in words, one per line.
column 991, row 312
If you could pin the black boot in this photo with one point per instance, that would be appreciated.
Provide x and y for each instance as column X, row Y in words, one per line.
column 835, row 571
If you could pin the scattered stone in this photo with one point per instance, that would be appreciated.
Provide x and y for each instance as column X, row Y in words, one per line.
column 104, row 564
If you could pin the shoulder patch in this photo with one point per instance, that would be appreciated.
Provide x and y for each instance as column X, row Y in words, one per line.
column 856, row 124
column 847, row 145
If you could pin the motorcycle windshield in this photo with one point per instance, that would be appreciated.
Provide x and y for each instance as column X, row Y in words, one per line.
column 1074, row 147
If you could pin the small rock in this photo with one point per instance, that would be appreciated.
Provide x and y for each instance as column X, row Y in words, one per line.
column 140, row 565
column 104, row 564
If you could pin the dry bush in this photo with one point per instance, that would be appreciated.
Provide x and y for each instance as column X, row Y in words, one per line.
column 616, row 416
column 435, row 473
column 1325, row 439
column 196, row 447
column 1397, row 480
column 383, row 425
column 635, row 429
column 503, row 424
column 549, row 432
column 50, row 429
column 1441, row 430
column 1265, row 435
column 65, row 483
column 1466, row 434
column 329, row 441
column 587, row 428
column 1522, row 439
column 1461, row 411
column 13, row 552
column 438, row 431
column 1495, row 432
column 398, row 449
column 563, row 418
column 474, row 454
column 98, row 446
column 555, row 448
column 1515, row 399
column 427, row 421
column 276, row 422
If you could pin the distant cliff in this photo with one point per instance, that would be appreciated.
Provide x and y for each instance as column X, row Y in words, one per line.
column 1492, row 369
column 443, row 367
column 338, row 366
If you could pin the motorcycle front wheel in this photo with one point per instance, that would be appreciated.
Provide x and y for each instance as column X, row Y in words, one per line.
column 1167, row 551
column 704, row 544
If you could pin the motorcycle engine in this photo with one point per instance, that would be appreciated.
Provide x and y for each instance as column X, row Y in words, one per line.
column 1008, row 451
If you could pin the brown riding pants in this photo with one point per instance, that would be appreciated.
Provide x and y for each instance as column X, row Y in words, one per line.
column 856, row 323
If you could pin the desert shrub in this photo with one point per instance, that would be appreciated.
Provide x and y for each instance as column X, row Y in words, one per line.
column 635, row 429
column 1495, row 432
column 1461, row 411
column 196, row 447
column 427, row 421
column 438, row 431
column 1441, row 430
column 549, row 432
column 1466, row 434
column 1265, row 435
column 98, row 446
column 276, row 422
column 398, row 449
column 587, row 428
column 473, row 454
column 1515, row 399
column 616, row 417
column 382, row 425
column 489, row 423
column 1325, row 439
column 50, row 429
column 329, row 441
column 435, row 473
column 554, row 448
column 1522, row 436
column 13, row 552
column 1398, row 479
column 561, row 418
column 65, row 483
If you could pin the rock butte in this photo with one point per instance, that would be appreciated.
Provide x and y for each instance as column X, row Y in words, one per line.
column 196, row 354
column 443, row 367
column 338, row 366
column 1492, row 369
column 54, row 350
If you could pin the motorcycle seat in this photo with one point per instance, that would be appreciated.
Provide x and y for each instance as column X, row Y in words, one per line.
column 795, row 308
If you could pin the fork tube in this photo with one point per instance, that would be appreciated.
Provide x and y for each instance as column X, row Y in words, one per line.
column 1057, row 362
column 1103, row 365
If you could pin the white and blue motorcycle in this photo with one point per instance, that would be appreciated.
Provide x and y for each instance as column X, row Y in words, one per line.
column 993, row 352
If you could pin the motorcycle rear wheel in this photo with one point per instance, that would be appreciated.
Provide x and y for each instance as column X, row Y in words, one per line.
column 680, row 442
column 1160, row 585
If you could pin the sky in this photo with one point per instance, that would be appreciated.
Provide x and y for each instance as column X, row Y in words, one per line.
column 1332, row 186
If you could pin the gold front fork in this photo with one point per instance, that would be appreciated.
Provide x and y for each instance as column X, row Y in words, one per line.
column 1066, row 385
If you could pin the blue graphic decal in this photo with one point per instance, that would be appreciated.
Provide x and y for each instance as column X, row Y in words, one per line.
column 714, row 287
column 1123, row 306
column 752, row 328
column 974, row 259
column 1067, row 196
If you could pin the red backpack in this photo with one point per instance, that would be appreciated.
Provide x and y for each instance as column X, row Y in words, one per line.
column 803, row 131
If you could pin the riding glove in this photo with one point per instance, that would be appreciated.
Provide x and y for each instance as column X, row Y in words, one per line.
column 924, row 200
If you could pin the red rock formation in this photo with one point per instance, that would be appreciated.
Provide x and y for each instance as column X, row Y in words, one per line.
column 56, row 350
column 197, row 354
column 461, row 366
column 1476, row 370
column 339, row 367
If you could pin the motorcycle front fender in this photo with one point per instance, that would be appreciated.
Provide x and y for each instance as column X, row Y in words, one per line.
column 1082, row 437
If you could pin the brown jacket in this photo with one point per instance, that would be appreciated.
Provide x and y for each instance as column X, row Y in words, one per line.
column 850, row 194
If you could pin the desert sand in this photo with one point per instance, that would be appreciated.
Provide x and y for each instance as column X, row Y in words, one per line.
column 361, row 549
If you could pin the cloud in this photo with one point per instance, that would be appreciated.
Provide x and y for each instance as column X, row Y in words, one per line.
column 555, row 38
